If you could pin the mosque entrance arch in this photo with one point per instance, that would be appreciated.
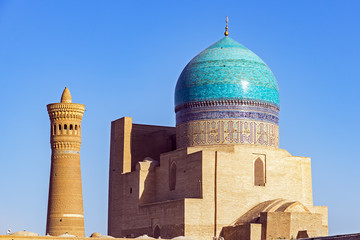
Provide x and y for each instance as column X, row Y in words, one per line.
column 157, row 232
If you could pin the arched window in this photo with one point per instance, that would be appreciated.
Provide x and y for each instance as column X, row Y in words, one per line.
column 71, row 127
column 54, row 129
column 172, row 176
column 59, row 127
column 157, row 232
column 259, row 172
column 65, row 126
column 76, row 127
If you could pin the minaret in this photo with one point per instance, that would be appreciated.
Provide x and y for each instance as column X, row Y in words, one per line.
column 65, row 207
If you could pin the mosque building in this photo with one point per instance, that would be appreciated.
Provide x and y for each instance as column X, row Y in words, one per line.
column 220, row 171
column 219, row 174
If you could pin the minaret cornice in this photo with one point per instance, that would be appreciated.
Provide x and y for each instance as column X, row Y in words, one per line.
column 63, row 111
column 66, row 107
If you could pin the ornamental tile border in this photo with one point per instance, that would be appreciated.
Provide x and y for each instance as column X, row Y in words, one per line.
column 227, row 131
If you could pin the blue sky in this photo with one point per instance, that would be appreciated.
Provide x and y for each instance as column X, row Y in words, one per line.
column 123, row 58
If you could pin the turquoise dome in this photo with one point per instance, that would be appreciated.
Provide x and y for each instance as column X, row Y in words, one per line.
column 226, row 70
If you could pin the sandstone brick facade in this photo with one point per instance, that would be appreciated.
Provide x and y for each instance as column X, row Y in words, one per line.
column 217, row 190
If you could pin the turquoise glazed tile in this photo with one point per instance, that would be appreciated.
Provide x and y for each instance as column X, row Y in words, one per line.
column 226, row 70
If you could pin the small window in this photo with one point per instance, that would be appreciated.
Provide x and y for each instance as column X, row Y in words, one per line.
column 259, row 172
column 130, row 190
column 75, row 127
column 60, row 127
column 71, row 127
column 65, row 126
column 54, row 128
column 172, row 177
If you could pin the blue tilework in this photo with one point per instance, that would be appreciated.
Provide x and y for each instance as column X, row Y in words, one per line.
column 257, row 113
column 224, row 70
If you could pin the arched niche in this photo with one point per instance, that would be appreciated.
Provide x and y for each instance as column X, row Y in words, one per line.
column 172, row 176
column 259, row 172
column 157, row 232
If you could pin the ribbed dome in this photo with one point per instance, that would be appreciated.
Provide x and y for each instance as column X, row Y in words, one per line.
column 226, row 70
column 25, row 233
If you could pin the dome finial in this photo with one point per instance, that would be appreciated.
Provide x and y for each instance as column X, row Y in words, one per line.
column 66, row 96
column 226, row 28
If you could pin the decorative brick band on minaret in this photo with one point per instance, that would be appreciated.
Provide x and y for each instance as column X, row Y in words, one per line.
column 65, row 207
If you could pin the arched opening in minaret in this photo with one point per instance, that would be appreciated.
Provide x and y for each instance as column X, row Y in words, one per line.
column 157, row 232
column 172, row 177
column 71, row 127
column 65, row 126
column 60, row 127
column 54, row 129
column 259, row 172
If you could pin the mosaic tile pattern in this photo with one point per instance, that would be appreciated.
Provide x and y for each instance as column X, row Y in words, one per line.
column 227, row 95
column 227, row 131
column 226, row 70
column 207, row 110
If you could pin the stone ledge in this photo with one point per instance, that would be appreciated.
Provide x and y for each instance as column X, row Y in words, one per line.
column 10, row 237
column 352, row 236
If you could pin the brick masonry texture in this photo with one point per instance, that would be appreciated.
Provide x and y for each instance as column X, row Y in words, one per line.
column 215, row 192
column 65, row 205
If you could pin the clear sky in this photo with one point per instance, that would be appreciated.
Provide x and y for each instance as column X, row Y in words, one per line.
column 123, row 58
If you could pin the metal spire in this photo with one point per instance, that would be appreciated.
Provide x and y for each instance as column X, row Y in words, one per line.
column 226, row 28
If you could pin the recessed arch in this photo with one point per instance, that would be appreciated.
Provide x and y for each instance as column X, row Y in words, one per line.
column 157, row 232
column 259, row 172
column 172, row 176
